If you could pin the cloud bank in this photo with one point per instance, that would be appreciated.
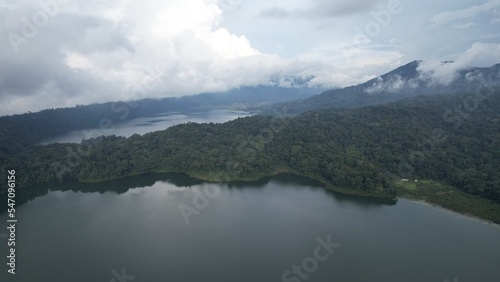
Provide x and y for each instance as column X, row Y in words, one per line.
column 72, row 52
column 479, row 55
column 57, row 53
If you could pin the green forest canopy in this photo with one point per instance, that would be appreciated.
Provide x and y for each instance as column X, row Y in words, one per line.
column 362, row 151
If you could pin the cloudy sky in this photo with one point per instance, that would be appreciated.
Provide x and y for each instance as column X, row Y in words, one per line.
column 57, row 53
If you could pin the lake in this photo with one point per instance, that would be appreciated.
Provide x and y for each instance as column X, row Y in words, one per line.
column 143, row 125
column 169, row 227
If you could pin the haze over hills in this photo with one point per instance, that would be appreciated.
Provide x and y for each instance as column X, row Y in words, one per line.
column 412, row 79
column 30, row 127
column 358, row 151
column 319, row 140
column 362, row 151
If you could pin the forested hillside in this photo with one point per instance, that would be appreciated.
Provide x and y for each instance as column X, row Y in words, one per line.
column 360, row 151
column 29, row 128
column 404, row 82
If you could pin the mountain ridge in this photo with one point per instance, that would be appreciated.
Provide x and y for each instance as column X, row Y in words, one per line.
column 408, row 80
column 363, row 151
column 27, row 128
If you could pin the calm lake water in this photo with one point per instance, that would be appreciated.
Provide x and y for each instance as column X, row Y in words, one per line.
column 148, row 124
column 160, row 228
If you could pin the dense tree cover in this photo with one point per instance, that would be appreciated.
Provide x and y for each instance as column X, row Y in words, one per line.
column 20, row 130
column 449, row 138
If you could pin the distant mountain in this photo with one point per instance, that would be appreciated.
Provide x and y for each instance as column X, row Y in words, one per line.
column 406, row 81
column 364, row 151
column 28, row 128
column 257, row 94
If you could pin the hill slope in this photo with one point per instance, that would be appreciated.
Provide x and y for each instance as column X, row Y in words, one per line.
column 406, row 81
column 29, row 128
column 360, row 151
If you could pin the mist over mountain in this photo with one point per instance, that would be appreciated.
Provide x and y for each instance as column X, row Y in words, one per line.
column 413, row 79
column 30, row 127
column 361, row 144
column 319, row 140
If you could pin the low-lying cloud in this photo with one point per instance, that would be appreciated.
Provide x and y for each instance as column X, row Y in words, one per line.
column 322, row 9
column 63, row 53
column 58, row 53
column 479, row 55
column 394, row 84
column 464, row 14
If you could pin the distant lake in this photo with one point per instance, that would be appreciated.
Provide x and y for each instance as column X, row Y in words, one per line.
column 237, row 232
column 148, row 124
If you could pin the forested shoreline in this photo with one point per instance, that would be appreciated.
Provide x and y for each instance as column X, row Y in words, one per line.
column 361, row 151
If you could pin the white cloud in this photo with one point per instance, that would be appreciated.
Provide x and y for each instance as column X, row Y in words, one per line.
column 479, row 55
column 108, row 50
column 466, row 25
column 321, row 9
column 392, row 85
column 104, row 50
column 468, row 13
column 496, row 16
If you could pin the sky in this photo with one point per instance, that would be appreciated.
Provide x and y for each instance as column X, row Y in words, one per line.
column 60, row 53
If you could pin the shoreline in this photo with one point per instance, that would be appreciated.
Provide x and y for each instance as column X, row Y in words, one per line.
column 325, row 185
column 323, row 182
column 451, row 211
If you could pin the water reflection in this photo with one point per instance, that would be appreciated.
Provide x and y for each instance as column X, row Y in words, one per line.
column 143, row 125
column 249, row 231
column 119, row 186
column 122, row 186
